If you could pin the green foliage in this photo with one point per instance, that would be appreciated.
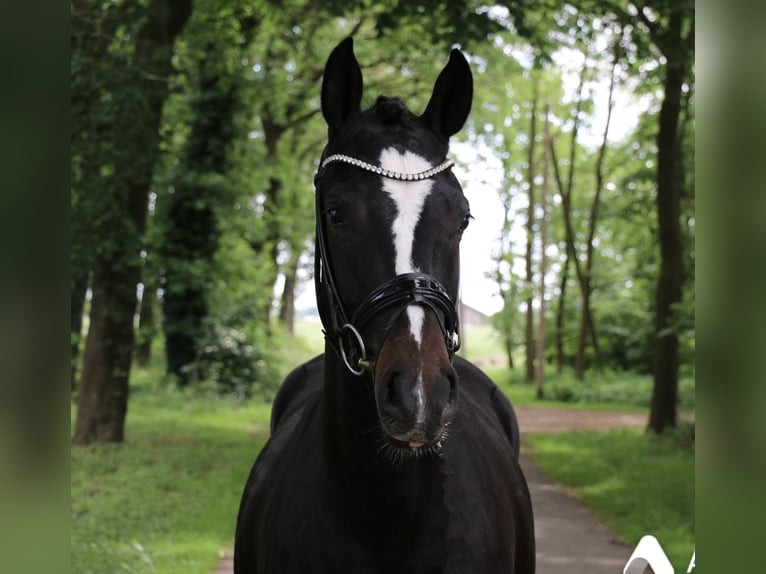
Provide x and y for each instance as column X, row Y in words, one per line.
column 235, row 361
column 241, row 133
column 234, row 213
column 465, row 22
column 635, row 482
column 609, row 390
column 614, row 388
column 166, row 500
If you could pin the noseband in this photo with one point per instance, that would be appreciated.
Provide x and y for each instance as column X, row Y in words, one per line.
column 342, row 331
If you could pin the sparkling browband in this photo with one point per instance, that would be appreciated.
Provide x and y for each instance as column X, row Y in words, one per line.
column 445, row 165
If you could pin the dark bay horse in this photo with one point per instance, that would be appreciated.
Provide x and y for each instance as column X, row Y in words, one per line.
column 388, row 453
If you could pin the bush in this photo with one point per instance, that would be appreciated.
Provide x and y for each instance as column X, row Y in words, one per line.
column 236, row 364
column 615, row 388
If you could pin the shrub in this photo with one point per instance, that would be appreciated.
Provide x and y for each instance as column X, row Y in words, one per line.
column 237, row 365
column 615, row 388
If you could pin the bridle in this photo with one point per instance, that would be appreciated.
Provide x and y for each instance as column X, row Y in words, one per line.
column 343, row 331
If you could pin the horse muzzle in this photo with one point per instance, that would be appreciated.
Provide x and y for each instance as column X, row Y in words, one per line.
column 416, row 387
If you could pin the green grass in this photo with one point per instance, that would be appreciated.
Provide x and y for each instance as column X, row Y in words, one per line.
column 610, row 391
column 636, row 483
column 481, row 342
column 166, row 500
column 309, row 337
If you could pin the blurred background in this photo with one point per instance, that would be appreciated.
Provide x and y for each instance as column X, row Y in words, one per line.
column 195, row 134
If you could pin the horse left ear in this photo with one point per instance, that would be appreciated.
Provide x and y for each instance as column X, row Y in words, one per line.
column 341, row 86
column 450, row 103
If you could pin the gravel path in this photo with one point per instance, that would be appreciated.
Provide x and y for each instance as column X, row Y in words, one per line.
column 539, row 419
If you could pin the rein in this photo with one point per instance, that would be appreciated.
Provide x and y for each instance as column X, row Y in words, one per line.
column 343, row 331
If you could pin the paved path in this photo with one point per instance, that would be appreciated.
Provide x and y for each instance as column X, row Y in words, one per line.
column 569, row 538
column 226, row 566
column 544, row 420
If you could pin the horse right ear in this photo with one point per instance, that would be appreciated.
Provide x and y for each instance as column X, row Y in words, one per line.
column 341, row 86
column 450, row 102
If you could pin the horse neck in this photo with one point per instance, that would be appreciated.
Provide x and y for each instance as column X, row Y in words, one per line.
column 349, row 416
column 364, row 481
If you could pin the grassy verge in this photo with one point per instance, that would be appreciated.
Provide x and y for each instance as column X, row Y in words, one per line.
column 612, row 391
column 637, row 484
column 166, row 500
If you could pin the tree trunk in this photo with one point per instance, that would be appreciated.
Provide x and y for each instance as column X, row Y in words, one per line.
column 76, row 307
column 529, row 332
column 663, row 411
column 560, row 315
column 540, row 363
column 566, row 206
column 587, row 281
column 147, row 324
column 268, row 248
column 287, row 306
column 103, row 396
column 190, row 242
column 509, row 351
column 191, row 234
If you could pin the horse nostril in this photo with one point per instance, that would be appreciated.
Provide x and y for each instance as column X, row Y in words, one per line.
column 391, row 396
column 397, row 402
column 417, row 407
column 448, row 412
column 394, row 396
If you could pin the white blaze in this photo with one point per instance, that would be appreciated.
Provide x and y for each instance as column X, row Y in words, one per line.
column 409, row 196
column 420, row 400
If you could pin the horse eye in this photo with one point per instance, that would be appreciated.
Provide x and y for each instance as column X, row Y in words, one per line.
column 466, row 220
column 335, row 217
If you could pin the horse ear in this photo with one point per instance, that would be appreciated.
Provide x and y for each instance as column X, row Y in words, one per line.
column 341, row 85
column 451, row 101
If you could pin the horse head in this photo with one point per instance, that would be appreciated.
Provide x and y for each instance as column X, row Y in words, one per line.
column 390, row 216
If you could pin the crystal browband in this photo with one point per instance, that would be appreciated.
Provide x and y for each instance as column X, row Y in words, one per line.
column 445, row 165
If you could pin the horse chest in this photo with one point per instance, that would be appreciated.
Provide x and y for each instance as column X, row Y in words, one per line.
column 424, row 521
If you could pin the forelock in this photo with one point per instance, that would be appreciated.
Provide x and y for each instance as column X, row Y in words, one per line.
column 391, row 111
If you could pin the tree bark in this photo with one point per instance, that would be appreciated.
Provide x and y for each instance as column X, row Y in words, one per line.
column 529, row 332
column 566, row 206
column 540, row 363
column 147, row 324
column 103, row 394
column 287, row 305
column 268, row 247
column 509, row 351
column 79, row 288
column 191, row 234
column 663, row 411
column 560, row 315
column 587, row 280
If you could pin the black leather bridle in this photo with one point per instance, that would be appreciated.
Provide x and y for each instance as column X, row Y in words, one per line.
column 343, row 331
